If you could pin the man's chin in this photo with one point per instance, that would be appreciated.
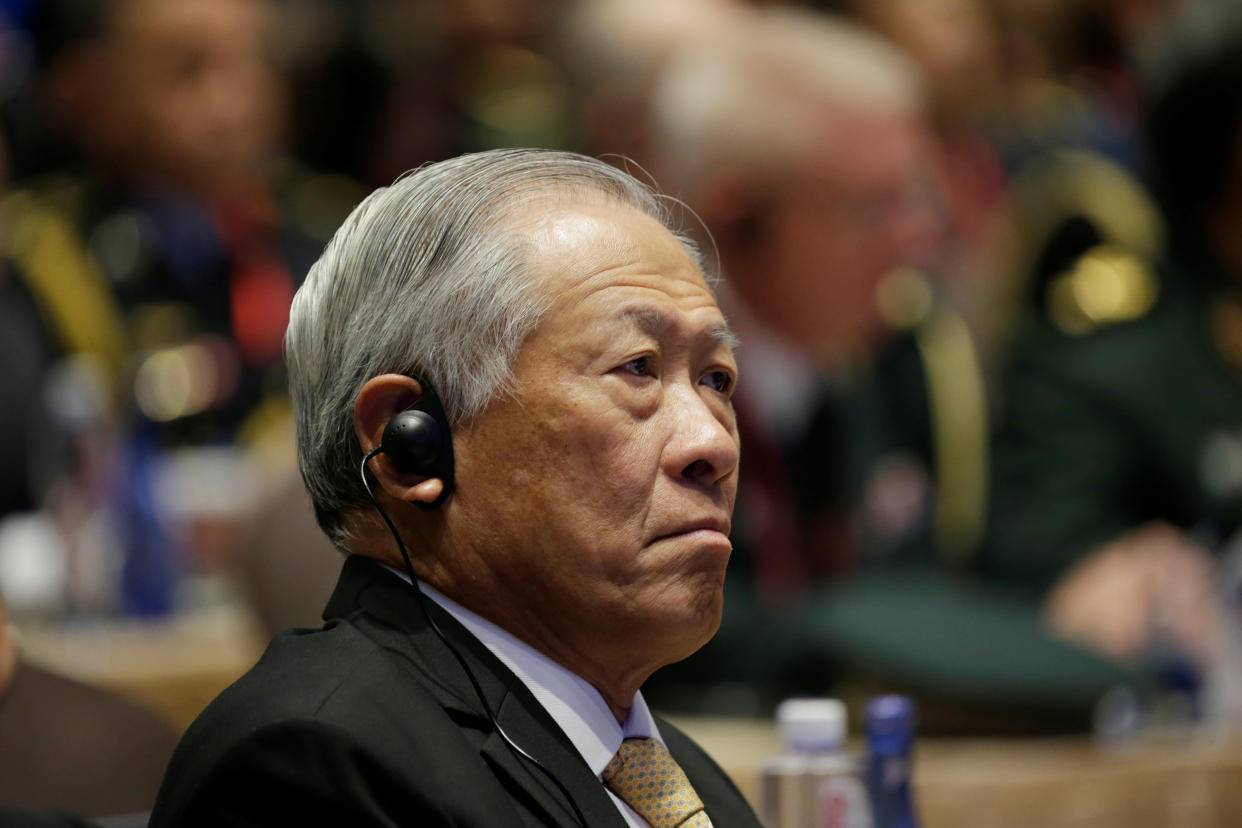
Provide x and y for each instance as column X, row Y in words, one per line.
column 688, row 631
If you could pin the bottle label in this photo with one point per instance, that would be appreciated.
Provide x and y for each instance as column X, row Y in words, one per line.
column 841, row 802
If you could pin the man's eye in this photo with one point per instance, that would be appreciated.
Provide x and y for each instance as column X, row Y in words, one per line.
column 721, row 381
column 639, row 366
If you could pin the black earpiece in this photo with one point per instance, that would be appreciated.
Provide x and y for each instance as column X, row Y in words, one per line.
column 419, row 441
column 412, row 441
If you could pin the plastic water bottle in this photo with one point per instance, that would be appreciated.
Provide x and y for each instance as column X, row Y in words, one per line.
column 890, row 742
column 815, row 783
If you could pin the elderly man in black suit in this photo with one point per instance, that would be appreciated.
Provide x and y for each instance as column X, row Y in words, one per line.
column 576, row 472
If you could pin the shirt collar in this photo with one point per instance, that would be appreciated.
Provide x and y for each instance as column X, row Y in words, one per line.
column 571, row 701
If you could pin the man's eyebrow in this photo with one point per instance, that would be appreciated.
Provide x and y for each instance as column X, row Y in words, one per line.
column 652, row 322
column 722, row 334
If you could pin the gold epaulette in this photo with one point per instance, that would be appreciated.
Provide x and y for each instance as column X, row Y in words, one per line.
column 1078, row 183
column 1104, row 286
column 1111, row 281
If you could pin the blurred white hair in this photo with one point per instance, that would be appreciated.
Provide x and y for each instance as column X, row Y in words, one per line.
column 757, row 92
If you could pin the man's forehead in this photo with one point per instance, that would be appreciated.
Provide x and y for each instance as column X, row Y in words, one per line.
column 599, row 227
column 605, row 267
column 575, row 239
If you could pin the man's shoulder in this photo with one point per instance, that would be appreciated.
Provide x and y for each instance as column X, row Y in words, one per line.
column 335, row 675
column 328, row 710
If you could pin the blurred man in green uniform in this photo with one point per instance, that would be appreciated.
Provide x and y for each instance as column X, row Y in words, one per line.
column 1118, row 464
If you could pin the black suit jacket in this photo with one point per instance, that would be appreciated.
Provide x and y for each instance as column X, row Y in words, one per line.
column 371, row 721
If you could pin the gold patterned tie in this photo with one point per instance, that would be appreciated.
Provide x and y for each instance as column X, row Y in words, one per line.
column 645, row 776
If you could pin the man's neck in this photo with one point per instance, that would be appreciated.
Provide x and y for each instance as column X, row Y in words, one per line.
column 524, row 657
column 616, row 688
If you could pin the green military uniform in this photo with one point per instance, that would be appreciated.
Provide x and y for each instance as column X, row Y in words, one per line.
column 1113, row 419
column 1122, row 404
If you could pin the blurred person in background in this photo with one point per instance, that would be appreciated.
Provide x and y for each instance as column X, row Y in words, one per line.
column 1012, row 79
column 807, row 219
column 175, row 110
column 801, row 142
column 1118, row 466
column 162, row 267
column 69, row 746
column 804, row 144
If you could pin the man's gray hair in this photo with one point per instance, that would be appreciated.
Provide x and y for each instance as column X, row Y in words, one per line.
column 429, row 276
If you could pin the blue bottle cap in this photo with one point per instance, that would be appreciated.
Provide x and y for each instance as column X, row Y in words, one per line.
column 890, row 720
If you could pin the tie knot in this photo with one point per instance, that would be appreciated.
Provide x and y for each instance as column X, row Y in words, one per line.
column 646, row 777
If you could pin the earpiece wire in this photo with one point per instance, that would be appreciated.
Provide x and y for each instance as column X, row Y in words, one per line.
column 423, row 600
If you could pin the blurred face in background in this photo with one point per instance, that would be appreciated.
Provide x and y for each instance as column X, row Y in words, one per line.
column 854, row 205
column 180, row 93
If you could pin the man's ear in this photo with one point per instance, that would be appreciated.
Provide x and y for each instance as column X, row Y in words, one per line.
column 380, row 400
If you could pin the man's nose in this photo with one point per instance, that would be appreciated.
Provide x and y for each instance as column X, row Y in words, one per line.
column 704, row 447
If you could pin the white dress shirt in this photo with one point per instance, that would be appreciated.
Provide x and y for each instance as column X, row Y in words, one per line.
column 570, row 700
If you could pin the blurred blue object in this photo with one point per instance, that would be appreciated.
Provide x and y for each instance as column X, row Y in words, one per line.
column 152, row 567
column 890, row 742
column 17, row 12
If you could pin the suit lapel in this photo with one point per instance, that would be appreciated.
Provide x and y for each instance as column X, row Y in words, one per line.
column 527, row 723
column 724, row 802
column 366, row 587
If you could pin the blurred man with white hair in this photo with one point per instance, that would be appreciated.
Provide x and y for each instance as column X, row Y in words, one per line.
column 801, row 142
